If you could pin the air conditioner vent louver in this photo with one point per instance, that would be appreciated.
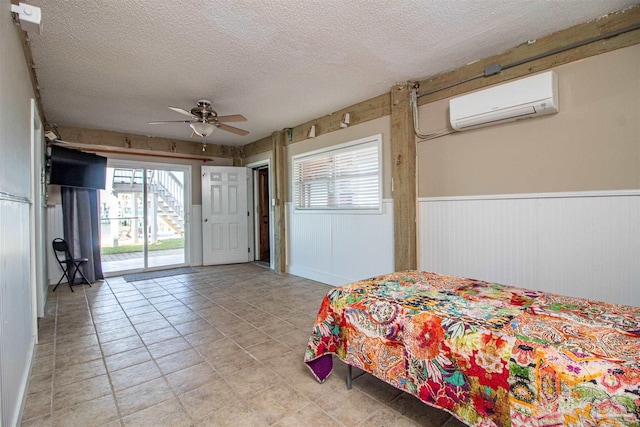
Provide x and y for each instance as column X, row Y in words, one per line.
column 529, row 97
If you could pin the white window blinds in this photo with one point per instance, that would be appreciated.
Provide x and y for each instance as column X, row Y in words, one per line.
column 342, row 178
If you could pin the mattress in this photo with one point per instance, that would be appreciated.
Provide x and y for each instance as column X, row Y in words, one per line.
column 489, row 354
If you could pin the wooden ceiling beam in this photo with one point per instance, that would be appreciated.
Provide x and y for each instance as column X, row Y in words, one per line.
column 141, row 144
column 464, row 79
column 28, row 57
column 361, row 112
column 256, row 147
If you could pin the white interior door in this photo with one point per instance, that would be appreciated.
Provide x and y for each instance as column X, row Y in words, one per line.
column 224, row 215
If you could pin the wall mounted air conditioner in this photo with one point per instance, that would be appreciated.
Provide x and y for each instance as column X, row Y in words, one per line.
column 521, row 99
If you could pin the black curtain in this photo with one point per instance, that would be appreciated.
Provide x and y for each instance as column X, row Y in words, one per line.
column 81, row 222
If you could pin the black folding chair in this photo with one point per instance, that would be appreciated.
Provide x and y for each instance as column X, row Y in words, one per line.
column 70, row 266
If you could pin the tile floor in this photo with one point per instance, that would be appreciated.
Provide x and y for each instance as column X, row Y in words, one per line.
column 220, row 347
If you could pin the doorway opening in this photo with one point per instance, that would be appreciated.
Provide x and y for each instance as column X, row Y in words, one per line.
column 262, row 220
column 143, row 217
column 263, row 246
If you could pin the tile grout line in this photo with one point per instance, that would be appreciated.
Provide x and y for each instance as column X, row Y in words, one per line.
column 55, row 357
column 104, row 359
column 200, row 354
column 265, row 366
column 162, row 375
column 222, row 378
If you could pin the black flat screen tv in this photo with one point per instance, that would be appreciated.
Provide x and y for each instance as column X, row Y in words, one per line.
column 73, row 168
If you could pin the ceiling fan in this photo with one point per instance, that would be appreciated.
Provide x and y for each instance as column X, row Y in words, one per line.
column 204, row 120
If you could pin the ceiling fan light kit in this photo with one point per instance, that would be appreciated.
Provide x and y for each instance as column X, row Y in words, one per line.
column 203, row 129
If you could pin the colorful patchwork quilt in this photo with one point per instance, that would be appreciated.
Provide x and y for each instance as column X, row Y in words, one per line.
column 490, row 354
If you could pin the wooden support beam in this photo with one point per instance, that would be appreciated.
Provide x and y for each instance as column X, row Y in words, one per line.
column 140, row 144
column 361, row 112
column 256, row 147
column 28, row 57
column 403, row 175
column 614, row 22
column 279, row 209
column 237, row 158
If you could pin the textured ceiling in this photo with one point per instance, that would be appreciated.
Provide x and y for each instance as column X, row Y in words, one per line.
column 118, row 64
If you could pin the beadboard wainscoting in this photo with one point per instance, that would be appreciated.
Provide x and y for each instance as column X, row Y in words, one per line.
column 195, row 257
column 584, row 244
column 339, row 248
column 17, row 331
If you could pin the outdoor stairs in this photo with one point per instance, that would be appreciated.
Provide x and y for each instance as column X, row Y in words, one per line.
column 171, row 210
column 163, row 183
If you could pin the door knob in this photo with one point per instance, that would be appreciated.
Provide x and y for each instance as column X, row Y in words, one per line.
column 206, row 219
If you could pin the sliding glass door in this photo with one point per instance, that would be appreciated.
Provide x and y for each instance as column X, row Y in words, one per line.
column 143, row 217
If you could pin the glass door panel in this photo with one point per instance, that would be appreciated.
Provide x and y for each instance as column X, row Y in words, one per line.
column 165, row 217
column 121, row 221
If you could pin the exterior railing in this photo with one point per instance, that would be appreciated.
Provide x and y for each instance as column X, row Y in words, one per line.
column 163, row 183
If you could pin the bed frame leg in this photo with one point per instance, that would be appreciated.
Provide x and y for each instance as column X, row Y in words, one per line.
column 349, row 377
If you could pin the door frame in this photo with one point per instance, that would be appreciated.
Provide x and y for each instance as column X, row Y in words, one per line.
column 187, row 169
column 37, row 214
column 253, row 198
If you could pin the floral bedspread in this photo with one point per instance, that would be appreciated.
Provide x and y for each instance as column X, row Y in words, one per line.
column 490, row 354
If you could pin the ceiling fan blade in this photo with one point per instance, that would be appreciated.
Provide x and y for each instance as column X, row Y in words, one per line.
column 170, row 121
column 231, row 129
column 232, row 118
column 181, row 111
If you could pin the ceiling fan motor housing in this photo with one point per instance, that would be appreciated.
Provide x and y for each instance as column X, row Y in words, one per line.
column 204, row 110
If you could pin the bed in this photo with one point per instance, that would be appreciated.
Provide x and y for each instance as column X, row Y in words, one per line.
column 490, row 354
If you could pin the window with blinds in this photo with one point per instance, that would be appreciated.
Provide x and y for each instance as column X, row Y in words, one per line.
column 347, row 177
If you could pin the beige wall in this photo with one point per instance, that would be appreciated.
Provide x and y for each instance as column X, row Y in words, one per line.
column 593, row 143
column 381, row 125
column 258, row 158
